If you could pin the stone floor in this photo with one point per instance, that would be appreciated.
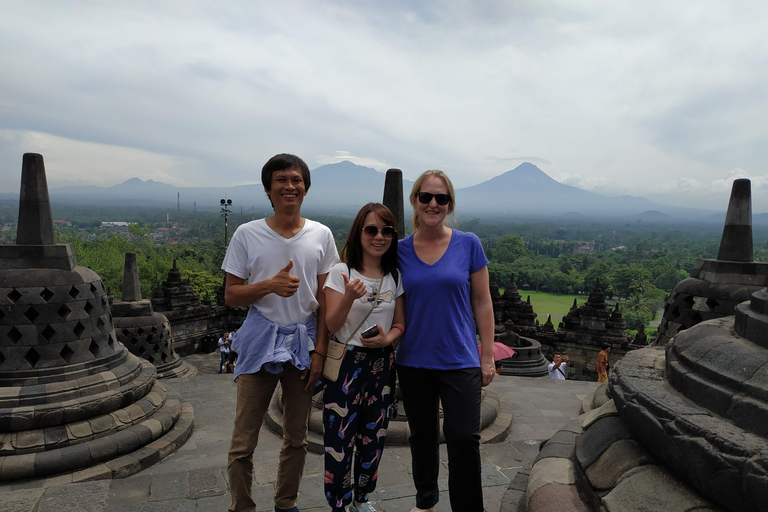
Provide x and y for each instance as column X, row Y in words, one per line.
column 195, row 477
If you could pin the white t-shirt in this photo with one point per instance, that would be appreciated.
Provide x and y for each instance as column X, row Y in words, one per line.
column 256, row 253
column 557, row 373
column 382, row 314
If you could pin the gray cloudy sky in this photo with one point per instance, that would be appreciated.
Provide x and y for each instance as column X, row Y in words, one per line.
column 614, row 97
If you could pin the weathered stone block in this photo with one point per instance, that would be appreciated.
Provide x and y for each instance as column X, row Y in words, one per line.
column 598, row 437
column 651, row 489
column 557, row 498
column 619, row 458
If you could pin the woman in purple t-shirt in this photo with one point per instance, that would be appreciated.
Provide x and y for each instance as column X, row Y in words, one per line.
column 445, row 279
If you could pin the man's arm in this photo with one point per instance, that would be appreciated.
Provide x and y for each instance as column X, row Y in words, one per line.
column 237, row 293
column 321, row 341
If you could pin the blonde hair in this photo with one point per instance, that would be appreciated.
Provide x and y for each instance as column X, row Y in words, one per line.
column 417, row 188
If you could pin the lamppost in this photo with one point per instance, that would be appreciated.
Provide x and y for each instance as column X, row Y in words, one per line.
column 225, row 204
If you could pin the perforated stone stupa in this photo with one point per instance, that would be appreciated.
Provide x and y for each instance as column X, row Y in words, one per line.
column 143, row 331
column 717, row 286
column 73, row 399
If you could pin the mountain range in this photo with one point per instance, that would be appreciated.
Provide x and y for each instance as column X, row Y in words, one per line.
column 343, row 187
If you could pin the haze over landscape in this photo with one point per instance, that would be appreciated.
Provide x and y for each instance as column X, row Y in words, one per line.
column 660, row 100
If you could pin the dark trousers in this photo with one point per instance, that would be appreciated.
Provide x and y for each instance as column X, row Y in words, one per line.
column 355, row 420
column 459, row 391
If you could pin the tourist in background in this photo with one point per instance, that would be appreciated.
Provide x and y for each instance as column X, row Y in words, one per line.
column 602, row 363
column 223, row 350
column 445, row 279
column 285, row 259
column 557, row 366
column 362, row 292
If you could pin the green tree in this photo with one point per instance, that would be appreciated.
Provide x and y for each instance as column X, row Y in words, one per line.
column 509, row 248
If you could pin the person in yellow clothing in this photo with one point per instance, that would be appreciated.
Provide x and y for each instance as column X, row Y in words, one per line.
column 602, row 363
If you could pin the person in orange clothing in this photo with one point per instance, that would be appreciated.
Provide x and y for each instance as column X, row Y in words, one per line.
column 602, row 363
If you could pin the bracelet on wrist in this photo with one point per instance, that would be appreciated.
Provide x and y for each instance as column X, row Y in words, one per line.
column 318, row 353
column 402, row 331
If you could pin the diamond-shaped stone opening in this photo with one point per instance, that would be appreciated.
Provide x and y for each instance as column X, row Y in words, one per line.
column 48, row 333
column 140, row 331
column 2, row 358
column 150, row 338
column 696, row 318
column 64, row 311
column 78, row 329
column 46, row 294
column 164, row 357
column 74, row 292
column 32, row 357
column 94, row 348
column 125, row 332
column 31, row 314
column 100, row 324
column 2, row 315
column 14, row 335
column 133, row 341
column 154, row 329
column 14, row 295
column 111, row 341
column 67, row 353
column 94, row 289
column 88, row 307
column 142, row 350
column 712, row 304
column 689, row 301
column 104, row 302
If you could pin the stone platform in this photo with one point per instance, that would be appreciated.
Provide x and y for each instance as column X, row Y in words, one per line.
column 195, row 477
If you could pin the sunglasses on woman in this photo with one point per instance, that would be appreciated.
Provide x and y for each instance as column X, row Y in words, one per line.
column 426, row 198
column 386, row 231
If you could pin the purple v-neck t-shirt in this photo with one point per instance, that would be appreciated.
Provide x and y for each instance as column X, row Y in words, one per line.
column 439, row 326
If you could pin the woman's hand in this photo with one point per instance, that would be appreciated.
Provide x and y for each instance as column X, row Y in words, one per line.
column 381, row 340
column 487, row 368
column 354, row 289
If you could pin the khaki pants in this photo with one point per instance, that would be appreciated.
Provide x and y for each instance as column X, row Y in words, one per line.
column 254, row 392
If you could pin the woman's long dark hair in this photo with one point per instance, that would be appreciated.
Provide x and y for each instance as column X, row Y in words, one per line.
column 352, row 252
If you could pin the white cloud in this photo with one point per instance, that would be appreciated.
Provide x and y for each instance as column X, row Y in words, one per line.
column 72, row 162
column 641, row 98
column 340, row 156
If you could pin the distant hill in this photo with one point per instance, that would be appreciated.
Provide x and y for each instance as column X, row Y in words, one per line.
column 654, row 215
column 526, row 189
column 344, row 186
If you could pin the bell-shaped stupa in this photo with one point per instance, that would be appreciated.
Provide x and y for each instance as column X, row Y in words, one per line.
column 73, row 399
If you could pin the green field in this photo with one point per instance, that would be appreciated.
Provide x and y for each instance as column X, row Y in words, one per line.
column 545, row 304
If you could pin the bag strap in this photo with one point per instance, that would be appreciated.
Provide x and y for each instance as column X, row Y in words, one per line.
column 373, row 306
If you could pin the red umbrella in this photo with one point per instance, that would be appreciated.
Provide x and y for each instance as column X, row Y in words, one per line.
column 500, row 351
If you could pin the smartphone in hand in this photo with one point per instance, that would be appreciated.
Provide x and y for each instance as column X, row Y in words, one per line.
column 370, row 332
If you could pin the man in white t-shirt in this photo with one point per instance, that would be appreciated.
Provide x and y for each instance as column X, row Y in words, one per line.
column 285, row 260
column 557, row 366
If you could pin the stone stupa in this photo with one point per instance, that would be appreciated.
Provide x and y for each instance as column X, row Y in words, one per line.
column 716, row 286
column 143, row 331
column 73, row 399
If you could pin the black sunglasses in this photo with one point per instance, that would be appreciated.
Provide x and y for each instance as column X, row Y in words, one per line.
column 426, row 198
column 386, row 231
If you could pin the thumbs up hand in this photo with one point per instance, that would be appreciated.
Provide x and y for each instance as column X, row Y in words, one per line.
column 284, row 283
column 353, row 289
